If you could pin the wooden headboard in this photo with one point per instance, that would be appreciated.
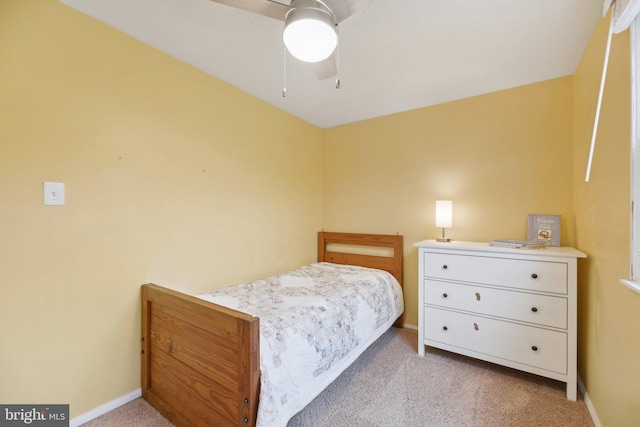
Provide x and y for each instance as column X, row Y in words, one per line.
column 393, row 264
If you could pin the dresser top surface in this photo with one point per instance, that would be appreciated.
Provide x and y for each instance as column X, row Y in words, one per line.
column 563, row 251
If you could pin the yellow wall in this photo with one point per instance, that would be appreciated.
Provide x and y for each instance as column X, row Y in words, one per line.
column 609, row 313
column 171, row 176
column 177, row 178
column 499, row 157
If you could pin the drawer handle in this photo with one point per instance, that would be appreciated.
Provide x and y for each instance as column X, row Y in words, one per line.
column 444, row 267
column 534, row 348
column 534, row 276
column 534, row 309
column 444, row 328
column 444, row 295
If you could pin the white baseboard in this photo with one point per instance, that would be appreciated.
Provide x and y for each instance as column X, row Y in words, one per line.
column 103, row 409
column 410, row 326
column 588, row 403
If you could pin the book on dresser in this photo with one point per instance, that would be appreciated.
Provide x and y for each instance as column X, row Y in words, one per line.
column 544, row 228
column 500, row 304
column 518, row 244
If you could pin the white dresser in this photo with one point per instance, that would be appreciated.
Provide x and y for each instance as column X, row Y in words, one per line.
column 513, row 307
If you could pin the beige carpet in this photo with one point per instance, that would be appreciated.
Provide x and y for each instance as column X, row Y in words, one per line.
column 390, row 385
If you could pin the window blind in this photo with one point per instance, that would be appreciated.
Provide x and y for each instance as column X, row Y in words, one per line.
column 624, row 13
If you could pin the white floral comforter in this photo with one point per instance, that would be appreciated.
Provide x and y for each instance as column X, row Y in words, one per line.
column 314, row 322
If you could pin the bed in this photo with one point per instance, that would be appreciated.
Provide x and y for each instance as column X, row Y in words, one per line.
column 201, row 361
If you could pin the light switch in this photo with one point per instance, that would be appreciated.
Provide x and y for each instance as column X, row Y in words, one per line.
column 54, row 193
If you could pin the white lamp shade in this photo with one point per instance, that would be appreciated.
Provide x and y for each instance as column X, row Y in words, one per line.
column 444, row 213
column 310, row 34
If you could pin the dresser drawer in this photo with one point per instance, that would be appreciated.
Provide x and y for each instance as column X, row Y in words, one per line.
column 514, row 273
column 528, row 345
column 516, row 305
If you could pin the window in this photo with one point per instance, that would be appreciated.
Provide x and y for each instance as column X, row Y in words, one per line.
column 626, row 14
column 634, row 282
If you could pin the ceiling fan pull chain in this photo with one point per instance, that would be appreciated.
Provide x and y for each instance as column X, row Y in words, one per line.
column 284, row 78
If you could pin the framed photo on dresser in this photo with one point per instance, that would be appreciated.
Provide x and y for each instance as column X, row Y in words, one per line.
column 544, row 228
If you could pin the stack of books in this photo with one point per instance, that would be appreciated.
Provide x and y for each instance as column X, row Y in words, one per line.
column 519, row 244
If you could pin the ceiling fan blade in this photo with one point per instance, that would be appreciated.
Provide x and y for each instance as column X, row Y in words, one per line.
column 277, row 9
column 272, row 9
column 327, row 68
column 342, row 9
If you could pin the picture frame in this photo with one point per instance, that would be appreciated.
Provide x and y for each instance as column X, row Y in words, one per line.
column 544, row 228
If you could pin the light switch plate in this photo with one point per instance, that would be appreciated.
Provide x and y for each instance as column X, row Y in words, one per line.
column 54, row 193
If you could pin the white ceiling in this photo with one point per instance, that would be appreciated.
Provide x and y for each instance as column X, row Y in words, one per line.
column 395, row 55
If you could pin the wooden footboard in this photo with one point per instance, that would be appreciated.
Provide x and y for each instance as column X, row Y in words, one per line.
column 200, row 361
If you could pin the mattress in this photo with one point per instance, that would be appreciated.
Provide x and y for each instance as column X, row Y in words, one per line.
column 314, row 322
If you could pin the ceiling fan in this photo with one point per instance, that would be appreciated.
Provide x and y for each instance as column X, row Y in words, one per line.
column 301, row 18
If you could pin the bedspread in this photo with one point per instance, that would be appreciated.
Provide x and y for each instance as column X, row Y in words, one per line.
column 314, row 322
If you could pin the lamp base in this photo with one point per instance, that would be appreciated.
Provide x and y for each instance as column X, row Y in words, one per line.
column 442, row 239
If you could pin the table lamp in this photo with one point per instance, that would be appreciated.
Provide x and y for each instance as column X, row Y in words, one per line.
column 444, row 217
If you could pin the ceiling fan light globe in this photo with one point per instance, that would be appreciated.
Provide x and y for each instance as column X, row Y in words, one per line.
column 310, row 35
